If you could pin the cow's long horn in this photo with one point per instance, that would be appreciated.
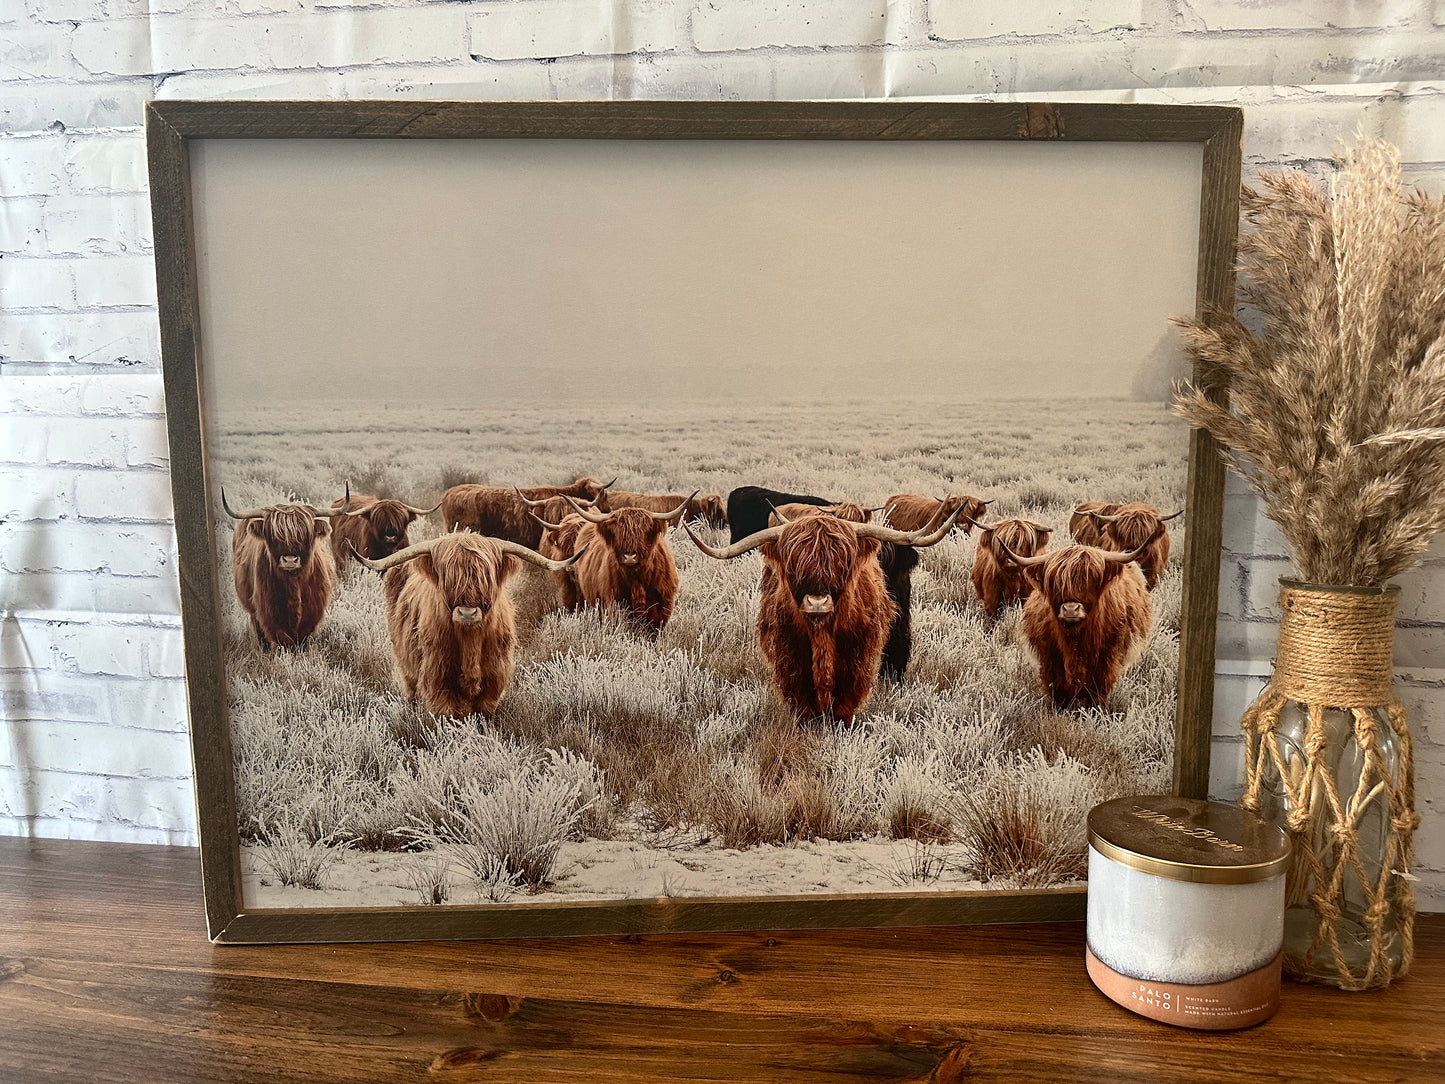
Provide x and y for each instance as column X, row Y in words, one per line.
column 1102, row 518
column 782, row 519
column 254, row 513
column 676, row 514
column 392, row 560
column 1176, row 515
column 420, row 511
column 538, row 504
column 987, row 503
column 586, row 513
column 346, row 502
column 535, row 558
column 920, row 538
column 1037, row 559
column 346, row 505
column 544, row 523
column 608, row 486
column 737, row 549
column 1133, row 555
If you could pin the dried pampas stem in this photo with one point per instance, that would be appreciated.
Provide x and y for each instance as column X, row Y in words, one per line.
column 1337, row 402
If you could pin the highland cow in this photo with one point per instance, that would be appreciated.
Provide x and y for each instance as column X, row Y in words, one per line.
column 750, row 506
column 907, row 512
column 502, row 512
column 1088, row 611
column 451, row 620
column 753, row 507
column 283, row 570
column 629, row 566
column 370, row 526
column 1135, row 525
column 707, row 507
column 559, row 542
column 996, row 580
column 825, row 611
column 1084, row 527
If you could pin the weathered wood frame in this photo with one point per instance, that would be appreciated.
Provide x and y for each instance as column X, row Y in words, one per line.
column 170, row 125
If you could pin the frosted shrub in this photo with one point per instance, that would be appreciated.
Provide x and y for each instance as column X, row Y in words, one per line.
column 914, row 800
column 431, row 880
column 914, row 864
column 512, row 830
column 295, row 860
column 1026, row 826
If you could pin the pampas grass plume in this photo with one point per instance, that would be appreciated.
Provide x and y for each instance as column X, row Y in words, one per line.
column 1336, row 414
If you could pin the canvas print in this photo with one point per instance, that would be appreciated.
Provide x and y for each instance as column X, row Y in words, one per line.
column 612, row 519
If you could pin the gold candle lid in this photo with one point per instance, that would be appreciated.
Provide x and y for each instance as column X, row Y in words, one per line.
column 1188, row 839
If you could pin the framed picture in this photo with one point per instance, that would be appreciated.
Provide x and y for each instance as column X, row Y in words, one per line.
column 633, row 516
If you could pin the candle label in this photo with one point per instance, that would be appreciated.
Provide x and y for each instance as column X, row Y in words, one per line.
column 1236, row 1003
column 1184, row 829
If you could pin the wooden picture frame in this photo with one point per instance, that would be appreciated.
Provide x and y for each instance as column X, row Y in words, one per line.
column 172, row 129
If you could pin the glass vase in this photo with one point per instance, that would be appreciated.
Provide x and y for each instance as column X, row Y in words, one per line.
column 1329, row 761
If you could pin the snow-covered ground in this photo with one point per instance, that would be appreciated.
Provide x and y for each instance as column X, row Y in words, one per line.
column 618, row 869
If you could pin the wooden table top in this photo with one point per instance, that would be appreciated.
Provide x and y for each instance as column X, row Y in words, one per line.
column 106, row 975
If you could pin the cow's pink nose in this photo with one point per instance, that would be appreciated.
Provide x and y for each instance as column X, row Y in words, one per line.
column 817, row 604
column 629, row 558
column 290, row 564
column 465, row 614
column 1072, row 611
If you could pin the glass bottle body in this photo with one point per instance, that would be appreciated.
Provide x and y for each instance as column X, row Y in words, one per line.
column 1311, row 894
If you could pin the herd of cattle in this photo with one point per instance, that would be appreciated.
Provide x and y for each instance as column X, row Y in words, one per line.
column 835, row 587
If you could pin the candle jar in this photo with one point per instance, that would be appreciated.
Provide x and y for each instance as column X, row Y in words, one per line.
column 1186, row 910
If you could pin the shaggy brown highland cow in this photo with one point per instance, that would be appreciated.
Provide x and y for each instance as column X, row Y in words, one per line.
column 825, row 611
column 283, row 570
column 996, row 580
column 452, row 625
column 503, row 512
column 629, row 565
column 559, row 542
column 707, row 507
column 1135, row 525
column 907, row 512
column 1084, row 527
column 370, row 526
column 1088, row 611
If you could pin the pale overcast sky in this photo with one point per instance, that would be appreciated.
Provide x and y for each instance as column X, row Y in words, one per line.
column 492, row 272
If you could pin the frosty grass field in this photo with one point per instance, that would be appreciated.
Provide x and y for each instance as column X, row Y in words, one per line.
column 620, row 767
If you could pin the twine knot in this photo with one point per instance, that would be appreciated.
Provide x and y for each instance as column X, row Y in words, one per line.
column 1326, row 908
column 1298, row 819
column 1407, row 821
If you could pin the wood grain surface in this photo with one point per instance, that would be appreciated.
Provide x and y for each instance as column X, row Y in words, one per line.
column 106, row 975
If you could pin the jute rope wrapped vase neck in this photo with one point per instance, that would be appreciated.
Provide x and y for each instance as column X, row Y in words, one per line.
column 1329, row 760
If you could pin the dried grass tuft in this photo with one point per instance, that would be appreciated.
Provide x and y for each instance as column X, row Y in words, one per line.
column 1337, row 405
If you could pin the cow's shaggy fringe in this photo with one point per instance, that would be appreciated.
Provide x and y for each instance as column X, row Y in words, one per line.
column 1337, row 401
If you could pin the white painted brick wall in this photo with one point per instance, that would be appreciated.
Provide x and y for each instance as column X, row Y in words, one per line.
column 962, row 20
column 92, row 717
